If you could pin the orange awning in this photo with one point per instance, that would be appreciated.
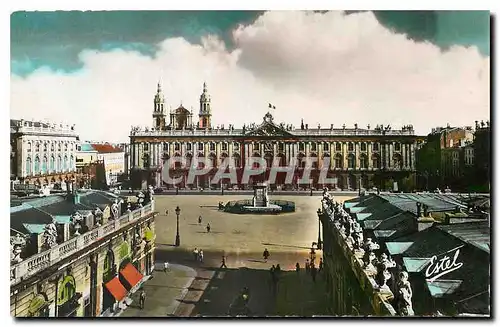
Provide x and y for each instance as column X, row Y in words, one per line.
column 131, row 275
column 116, row 289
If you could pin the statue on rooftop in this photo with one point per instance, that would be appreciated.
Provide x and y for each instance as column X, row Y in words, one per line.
column 76, row 220
column 405, row 307
column 50, row 235
column 115, row 212
column 383, row 274
column 17, row 244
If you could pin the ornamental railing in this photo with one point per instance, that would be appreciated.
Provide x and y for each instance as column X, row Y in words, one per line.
column 34, row 264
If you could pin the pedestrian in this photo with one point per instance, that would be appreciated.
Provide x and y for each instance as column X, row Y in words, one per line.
column 199, row 220
column 195, row 254
column 273, row 277
column 208, row 228
column 142, row 299
column 200, row 255
column 297, row 267
column 265, row 254
column 165, row 267
column 223, row 263
column 320, row 265
column 313, row 272
column 278, row 271
column 308, row 266
column 166, row 212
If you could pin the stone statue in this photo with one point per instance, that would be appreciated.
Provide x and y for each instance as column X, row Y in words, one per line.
column 50, row 235
column 369, row 256
column 151, row 192
column 115, row 210
column 405, row 307
column 342, row 231
column 98, row 215
column 140, row 197
column 129, row 207
column 383, row 274
column 254, row 201
column 76, row 219
column 17, row 244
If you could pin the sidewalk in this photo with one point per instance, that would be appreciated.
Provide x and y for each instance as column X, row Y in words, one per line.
column 164, row 293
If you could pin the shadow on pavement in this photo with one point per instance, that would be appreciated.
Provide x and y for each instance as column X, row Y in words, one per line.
column 224, row 288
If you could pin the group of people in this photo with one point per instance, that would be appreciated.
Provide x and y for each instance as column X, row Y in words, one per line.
column 198, row 255
column 275, row 276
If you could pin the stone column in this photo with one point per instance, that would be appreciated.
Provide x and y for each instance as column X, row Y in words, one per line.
column 391, row 154
column 412, row 156
column 344, row 155
column 357, row 154
column 369, row 147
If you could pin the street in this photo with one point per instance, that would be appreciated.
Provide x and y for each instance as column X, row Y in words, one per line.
column 242, row 239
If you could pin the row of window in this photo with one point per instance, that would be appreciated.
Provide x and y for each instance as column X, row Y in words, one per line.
column 338, row 161
column 45, row 165
column 281, row 146
column 52, row 145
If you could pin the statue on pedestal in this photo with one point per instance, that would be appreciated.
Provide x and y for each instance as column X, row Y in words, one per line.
column 17, row 244
column 369, row 255
column 76, row 220
column 50, row 235
column 405, row 307
column 383, row 274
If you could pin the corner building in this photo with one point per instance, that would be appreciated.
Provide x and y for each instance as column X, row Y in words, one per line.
column 357, row 157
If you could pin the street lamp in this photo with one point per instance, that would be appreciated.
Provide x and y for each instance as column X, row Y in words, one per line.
column 319, row 229
column 177, row 236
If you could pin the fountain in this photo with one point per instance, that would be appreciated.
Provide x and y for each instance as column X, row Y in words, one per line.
column 260, row 203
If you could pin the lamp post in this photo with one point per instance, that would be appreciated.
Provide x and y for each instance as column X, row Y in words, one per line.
column 319, row 229
column 177, row 236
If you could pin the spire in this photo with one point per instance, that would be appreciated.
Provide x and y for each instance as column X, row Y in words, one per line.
column 159, row 88
column 205, row 87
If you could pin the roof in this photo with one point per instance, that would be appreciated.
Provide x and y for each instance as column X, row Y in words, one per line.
column 105, row 148
column 87, row 147
column 182, row 110
column 476, row 234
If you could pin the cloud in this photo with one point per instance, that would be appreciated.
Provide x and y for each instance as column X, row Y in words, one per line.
column 323, row 67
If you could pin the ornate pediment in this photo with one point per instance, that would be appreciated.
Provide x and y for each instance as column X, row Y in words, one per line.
column 268, row 129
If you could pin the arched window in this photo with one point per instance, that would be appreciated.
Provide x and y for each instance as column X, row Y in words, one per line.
column 363, row 146
column 45, row 147
column 338, row 161
column 52, row 164
column 67, row 290
column 36, row 170
column 65, row 147
column 65, row 163
column 37, row 147
column 58, row 146
column 398, row 161
column 29, row 147
column 28, row 166
column 71, row 163
column 351, row 161
column 44, row 165
column 52, row 146
column 59, row 163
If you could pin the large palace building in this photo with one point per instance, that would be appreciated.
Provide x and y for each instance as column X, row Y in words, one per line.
column 356, row 157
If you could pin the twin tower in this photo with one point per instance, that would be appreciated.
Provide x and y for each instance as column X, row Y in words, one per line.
column 181, row 118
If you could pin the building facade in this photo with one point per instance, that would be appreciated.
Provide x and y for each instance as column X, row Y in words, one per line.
column 366, row 157
column 113, row 158
column 42, row 153
column 83, row 264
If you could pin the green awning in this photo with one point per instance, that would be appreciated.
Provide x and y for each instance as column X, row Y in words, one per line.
column 439, row 288
column 415, row 264
column 63, row 219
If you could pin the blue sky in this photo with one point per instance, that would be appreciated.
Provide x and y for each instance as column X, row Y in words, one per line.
column 59, row 53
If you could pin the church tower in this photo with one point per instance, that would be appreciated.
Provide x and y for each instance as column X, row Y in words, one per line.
column 205, row 109
column 159, row 110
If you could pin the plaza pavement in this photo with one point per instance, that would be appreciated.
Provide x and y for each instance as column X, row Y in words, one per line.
column 242, row 238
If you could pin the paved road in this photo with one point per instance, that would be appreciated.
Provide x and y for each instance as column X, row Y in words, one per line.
column 242, row 238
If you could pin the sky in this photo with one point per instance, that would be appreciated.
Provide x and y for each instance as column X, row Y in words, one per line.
column 99, row 70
